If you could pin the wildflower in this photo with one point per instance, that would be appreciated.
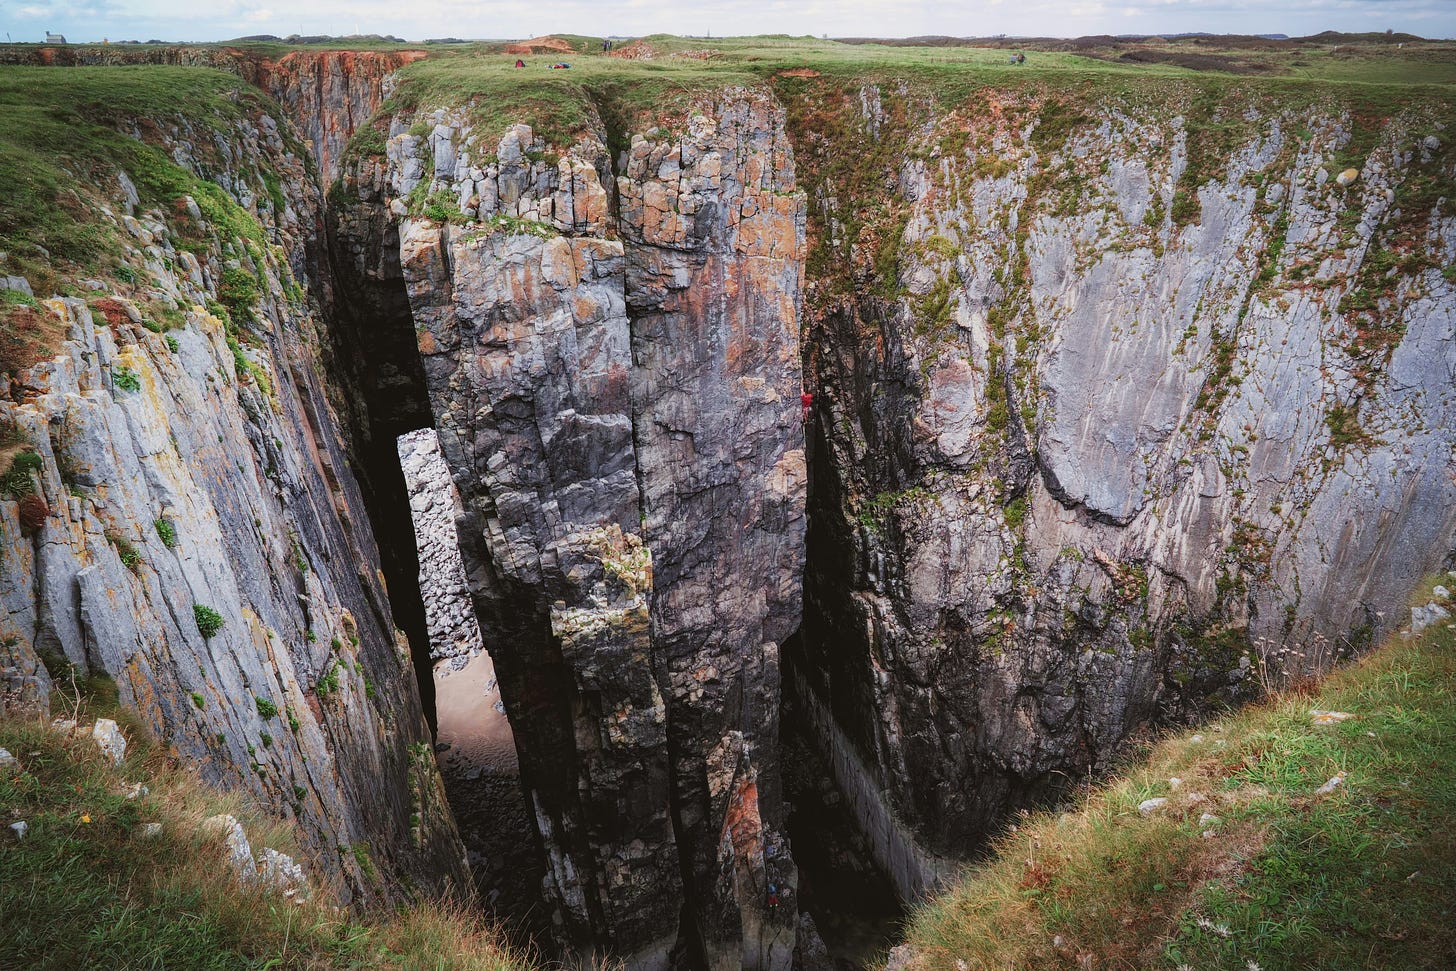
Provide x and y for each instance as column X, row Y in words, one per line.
column 85, row 817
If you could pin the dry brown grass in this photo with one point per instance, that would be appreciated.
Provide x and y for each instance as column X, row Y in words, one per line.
column 126, row 901
column 28, row 335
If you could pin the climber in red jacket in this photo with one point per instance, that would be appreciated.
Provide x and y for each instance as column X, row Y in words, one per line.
column 807, row 400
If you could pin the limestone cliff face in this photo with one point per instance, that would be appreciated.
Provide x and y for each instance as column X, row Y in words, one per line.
column 195, row 533
column 329, row 94
column 1131, row 430
column 613, row 369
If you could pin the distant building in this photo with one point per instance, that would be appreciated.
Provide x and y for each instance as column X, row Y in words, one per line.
column 55, row 38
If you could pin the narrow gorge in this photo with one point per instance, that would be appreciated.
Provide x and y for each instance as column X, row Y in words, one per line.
column 540, row 491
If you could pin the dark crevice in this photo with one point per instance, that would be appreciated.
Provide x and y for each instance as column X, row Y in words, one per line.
column 852, row 902
column 374, row 356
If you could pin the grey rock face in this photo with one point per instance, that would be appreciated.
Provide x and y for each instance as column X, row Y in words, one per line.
column 236, row 450
column 1096, row 458
column 626, row 446
column 434, row 505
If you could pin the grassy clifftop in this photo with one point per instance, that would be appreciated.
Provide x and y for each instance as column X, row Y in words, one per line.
column 1254, row 858
column 88, row 886
column 655, row 77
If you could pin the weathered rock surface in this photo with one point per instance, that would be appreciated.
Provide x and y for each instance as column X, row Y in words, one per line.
column 329, row 95
column 617, row 396
column 434, row 505
column 1094, row 466
column 203, row 468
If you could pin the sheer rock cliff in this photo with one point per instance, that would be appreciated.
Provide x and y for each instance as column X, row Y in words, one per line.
column 611, row 354
column 192, row 529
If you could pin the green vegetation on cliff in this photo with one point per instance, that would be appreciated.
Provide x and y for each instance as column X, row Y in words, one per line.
column 62, row 148
column 91, row 885
column 1296, row 871
column 660, row 74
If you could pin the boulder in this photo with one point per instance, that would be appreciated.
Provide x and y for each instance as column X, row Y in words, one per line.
column 279, row 871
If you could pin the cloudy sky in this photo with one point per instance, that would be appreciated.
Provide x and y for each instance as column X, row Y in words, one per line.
column 89, row 20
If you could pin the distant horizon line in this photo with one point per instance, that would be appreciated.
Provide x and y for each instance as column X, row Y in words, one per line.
column 321, row 38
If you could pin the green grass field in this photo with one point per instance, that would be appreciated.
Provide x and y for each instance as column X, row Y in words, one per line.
column 638, row 93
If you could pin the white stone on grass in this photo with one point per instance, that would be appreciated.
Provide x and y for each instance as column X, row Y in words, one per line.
column 1423, row 617
column 240, row 854
column 1149, row 806
column 6, row 759
column 109, row 740
column 1331, row 786
column 281, row 872
column 20, row 828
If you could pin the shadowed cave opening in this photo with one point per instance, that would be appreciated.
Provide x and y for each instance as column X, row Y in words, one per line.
column 412, row 505
column 475, row 746
column 850, row 899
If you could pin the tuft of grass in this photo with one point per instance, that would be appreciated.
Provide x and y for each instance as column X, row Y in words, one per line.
column 266, row 708
column 126, row 379
column 1360, row 877
column 328, row 682
column 18, row 480
column 85, row 889
column 130, row 556
column 209, row 621
column 166, row 532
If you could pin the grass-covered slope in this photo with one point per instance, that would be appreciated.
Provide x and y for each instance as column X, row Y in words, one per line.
column 66, row 137
column 87, row 888
column 1293, row 873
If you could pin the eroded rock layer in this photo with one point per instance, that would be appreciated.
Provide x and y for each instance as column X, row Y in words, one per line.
column 1120, row 414
column 186, row 522
column 616, row 388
